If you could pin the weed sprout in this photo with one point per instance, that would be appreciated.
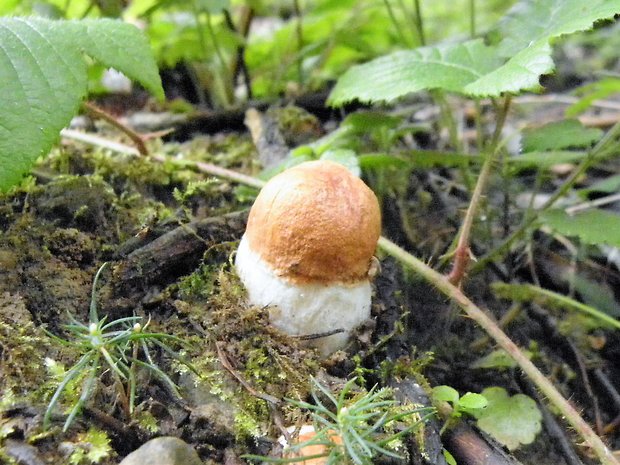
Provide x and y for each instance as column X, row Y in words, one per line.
column 120, row 346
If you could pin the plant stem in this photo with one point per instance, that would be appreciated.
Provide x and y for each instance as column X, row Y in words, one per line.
column 597, row 151
column 462, row 251
column 490, row 327
column 300, row 41
column 472, row 18
column 202, row 41
column 394, row 21
column 419, row 23
column 228, row 80
column 136, row 138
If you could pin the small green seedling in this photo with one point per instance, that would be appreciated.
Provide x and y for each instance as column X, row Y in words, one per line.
column 470, row 403
column 120, row 347
column 511, row 420
column 356, row 427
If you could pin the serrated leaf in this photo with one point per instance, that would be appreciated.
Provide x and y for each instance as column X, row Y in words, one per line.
column 44, row 78
column 512, row 420
column 563, row 134
column 593, row 226
column 449, row 67
column 472, row 68
column 532, row 20
column 519, row 73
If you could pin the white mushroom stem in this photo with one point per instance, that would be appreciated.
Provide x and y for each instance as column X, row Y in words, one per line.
column 304, row 309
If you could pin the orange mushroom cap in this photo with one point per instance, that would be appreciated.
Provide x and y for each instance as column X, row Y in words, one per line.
column 316, row 223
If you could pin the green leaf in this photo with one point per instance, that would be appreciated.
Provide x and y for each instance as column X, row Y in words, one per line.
column 558, row 135
column 213, row 6
column 498, row 359
column 544, row 297
column 519, row 73
column 445, row 394
column 533, row 20
column 450, row 460
column 592, row 92
column 512, row 420
column 545, row 159
column 44, row 78
column 379, row 161
column 448, row 67
column 472, row 401
column 608, row 185
column 473, row 68
column 593, row 226
column 345, row 157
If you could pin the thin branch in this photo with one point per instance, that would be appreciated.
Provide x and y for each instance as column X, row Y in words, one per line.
column 300, row 41
column 136, row 138
column 207, row 168
column 419, row 23
column 462, row 252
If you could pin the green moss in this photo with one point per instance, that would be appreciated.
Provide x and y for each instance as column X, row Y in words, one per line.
column 90, row 447
column 268, row 361
column 24, row 347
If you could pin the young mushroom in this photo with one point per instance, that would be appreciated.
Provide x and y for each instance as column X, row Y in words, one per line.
column 319, row 450
column 307, row 251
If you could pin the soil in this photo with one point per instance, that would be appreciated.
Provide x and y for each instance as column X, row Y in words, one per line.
column 168, row 234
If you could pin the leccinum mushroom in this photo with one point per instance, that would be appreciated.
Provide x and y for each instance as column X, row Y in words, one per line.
column 307, row 251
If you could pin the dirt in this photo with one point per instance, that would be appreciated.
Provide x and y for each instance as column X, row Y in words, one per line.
column 169, row 235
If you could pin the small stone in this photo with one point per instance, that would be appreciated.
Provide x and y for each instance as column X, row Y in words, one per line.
column 165, row 450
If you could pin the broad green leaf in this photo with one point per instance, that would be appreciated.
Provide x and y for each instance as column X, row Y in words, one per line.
column 532, row 20
column 593, row 226
column 563, row 134
column 512, row 420
column 519, row 73
column 445, row 394
column 471, row 401
column 473, row 68
column 449, row 67
column 44, row 78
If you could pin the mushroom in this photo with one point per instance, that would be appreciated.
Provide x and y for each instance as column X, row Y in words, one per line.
column 307, row 251
column 307, row 433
